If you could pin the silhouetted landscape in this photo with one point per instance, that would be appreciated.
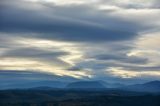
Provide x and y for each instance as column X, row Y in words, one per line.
column 77, row 98
column 83, row 93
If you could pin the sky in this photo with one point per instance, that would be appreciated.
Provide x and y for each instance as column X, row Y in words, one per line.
column 109, row 40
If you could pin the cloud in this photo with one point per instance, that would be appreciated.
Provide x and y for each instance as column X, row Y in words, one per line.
column 147, row 47
column 32, row 53
column 136, row 4
column 56, row 24
column 40, row 55
column 120, row 72
column 122, row 58
column 62, row 22
column 97, row 39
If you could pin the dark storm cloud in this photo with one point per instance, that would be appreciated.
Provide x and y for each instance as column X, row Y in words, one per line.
column 14, row 19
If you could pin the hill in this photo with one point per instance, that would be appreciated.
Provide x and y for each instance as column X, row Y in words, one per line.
column 153, row 86
column 86, row 84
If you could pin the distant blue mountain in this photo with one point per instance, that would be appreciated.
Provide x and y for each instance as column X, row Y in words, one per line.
column 86, row 85
column 112, row 85
column 26, row 85
column 153, row 86
column 41, row 88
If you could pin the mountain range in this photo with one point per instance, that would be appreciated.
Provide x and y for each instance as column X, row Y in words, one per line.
column 152, row 86
column 86, row 85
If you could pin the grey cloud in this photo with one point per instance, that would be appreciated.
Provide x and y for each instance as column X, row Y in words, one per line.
column 74, row 68
column 156, row 3
column 62, row 28
column 36, row 54
column 122, row 58
column 136, row 4
column 33, row 53
column 143, row 68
